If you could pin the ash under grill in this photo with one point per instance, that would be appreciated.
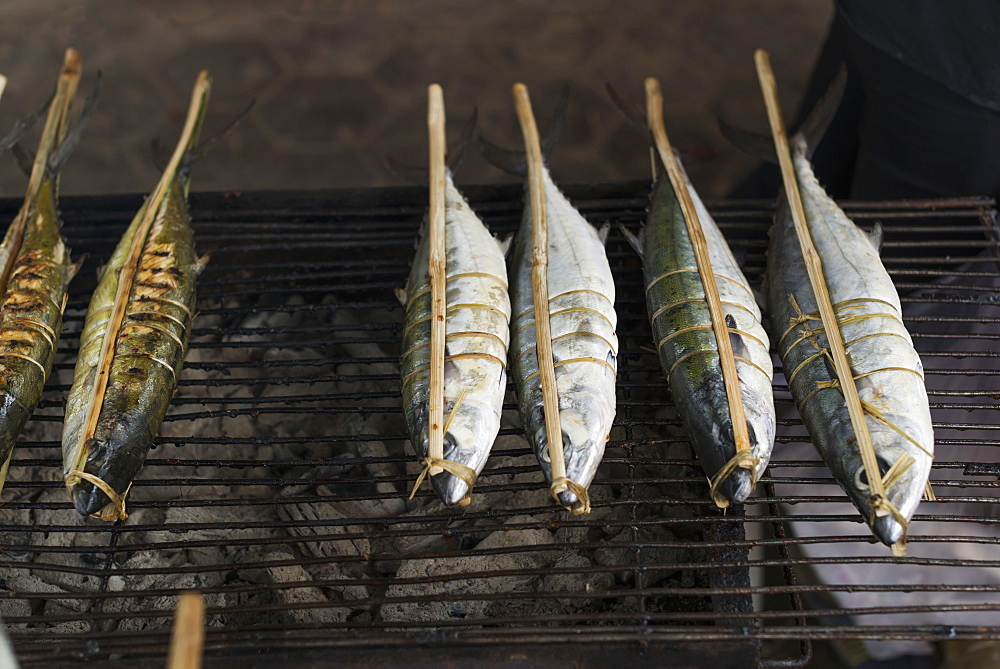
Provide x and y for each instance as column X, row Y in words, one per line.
column 278, row 485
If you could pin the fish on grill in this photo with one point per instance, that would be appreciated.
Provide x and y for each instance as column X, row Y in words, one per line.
column 887, row 370
column 478, row 333
column 134, row 339
column 35, row 268
column 583, row 325
column 686, row 345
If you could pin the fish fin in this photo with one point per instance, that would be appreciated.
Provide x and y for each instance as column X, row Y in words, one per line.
column 202, row 263
column 752, row 143
column 508, row 160
column 3, row 470
column 634, row 240
column 22, row 125
column 814, row 126
column 513, row 161
column 199, row 149
column 739, row 346
column 61, row 153
column 457, row 152
column 75, row 267
column 414, row 174
column 876, row 236
column 635, row 115
column 602, row 232
column 417, row 174
column 505, row 243
column 552, row 131
column 400, row 295
column 160, row 154
column 25, row 158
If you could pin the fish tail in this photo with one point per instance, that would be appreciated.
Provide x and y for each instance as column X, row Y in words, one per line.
column 513, row 160
column 70, row 135
column 806, row 137
column 417, row 174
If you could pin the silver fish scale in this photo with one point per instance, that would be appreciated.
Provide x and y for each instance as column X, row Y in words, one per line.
column 887, row 369
column 476, row 341
column 584, row 343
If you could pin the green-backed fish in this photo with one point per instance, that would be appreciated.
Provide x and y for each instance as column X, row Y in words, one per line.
column 35, row 269
column 134, row 339
column 686, row 344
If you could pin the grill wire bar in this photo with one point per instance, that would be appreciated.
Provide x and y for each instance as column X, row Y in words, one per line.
column 277, row 485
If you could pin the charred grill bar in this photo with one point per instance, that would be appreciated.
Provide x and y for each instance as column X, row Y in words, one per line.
column 278, row 484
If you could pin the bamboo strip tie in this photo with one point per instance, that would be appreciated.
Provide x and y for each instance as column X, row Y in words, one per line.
column 188, row 636
column 744, row 452
column 814, row 267
column 540, row 290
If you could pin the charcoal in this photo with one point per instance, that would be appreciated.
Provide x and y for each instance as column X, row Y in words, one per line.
column 322, row 519
column 299, row 599
column 474, row 569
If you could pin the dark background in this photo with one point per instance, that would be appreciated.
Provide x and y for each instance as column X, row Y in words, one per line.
column 341, row 84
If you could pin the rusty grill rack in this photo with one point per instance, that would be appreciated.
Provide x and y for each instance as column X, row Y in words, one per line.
column 298, row 326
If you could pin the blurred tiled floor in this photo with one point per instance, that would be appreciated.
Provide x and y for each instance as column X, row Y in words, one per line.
column 340, row 84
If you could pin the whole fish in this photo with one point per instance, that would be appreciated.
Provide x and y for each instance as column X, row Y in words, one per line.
column 888, row 373
column 584, row 343
column 686, row 345
column 134, row 339
column 478, row 314
column 35, row 270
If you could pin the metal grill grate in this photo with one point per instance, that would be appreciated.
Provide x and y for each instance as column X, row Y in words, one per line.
column 277, row 486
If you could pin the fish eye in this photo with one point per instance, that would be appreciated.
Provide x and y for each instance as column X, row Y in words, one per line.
column 861, row 478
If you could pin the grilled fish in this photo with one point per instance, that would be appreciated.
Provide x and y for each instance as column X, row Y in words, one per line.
column 685, row 340
column 888, row 373
column 584, row 343
column 134, row 340
column 478, row 314
column 35, row 271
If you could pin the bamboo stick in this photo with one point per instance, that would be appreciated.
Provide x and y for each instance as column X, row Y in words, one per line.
column 438, row 274
column 741, row 436
column 539, row 287
column 187, row 638
column 814, row 267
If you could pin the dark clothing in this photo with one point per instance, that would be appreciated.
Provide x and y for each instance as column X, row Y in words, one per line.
column 920, row 115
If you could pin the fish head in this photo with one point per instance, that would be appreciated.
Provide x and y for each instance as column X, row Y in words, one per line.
column 585, row 420
column 904, row 486
column 471, row 430
column 707, row 419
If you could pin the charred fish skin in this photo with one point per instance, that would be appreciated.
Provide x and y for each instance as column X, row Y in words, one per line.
column 583, row 322
column 686, row 345
column 149, row 353
column 476, row 341
column 31, row 314
column 887, row 369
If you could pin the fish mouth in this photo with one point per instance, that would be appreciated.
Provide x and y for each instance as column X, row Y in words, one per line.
column 451, row 489
column 89, row 500
column 888, row 530
column 456, row 490
column 571, row 501
column 736, row 487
